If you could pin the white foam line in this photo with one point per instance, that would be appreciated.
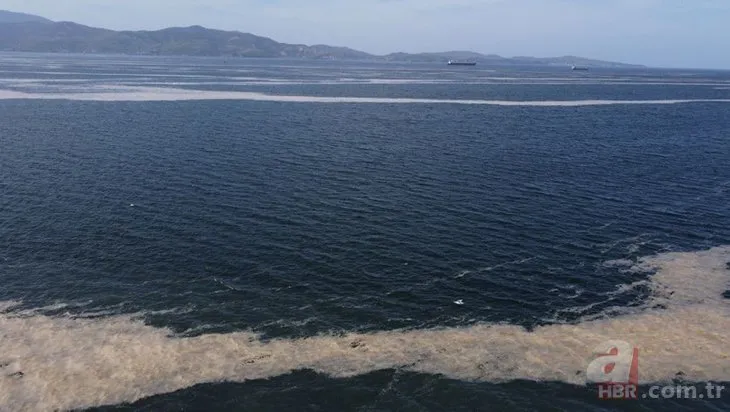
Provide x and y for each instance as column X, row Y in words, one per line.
column 427, row 82
column 253, row 81
column 135, row 94
column 104, row 75
column 50, row 363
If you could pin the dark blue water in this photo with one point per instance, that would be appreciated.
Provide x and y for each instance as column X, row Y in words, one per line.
column 297, row 219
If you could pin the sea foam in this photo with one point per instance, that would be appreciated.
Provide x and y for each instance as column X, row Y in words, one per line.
column 137, row 94
column 50, row 363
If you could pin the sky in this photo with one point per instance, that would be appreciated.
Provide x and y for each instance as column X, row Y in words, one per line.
column 661, row 33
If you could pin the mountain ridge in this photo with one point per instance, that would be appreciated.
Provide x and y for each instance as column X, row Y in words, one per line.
column 21, row 32
column 15, row 17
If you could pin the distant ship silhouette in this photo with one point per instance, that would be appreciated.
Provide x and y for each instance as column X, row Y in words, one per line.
column 461, row 63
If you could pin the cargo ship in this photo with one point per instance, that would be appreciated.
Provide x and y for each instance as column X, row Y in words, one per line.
column 461, row 63
column 579, row 68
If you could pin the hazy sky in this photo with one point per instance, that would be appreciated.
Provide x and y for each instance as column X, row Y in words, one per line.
column 670, row 33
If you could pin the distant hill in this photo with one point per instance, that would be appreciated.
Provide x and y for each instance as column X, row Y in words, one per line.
column 28, row 33
column 442, row 56
column 67, row 37
column 12, row 17
column 494, row 59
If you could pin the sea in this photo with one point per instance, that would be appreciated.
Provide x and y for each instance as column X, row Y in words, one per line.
column 203, row 234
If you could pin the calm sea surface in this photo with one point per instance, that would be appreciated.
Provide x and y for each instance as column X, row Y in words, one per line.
column 201, row 234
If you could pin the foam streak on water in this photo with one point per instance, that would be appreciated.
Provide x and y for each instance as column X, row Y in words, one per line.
column 75, row 363
column 139, row 94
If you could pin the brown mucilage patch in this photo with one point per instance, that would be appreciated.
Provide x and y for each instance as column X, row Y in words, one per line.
column 62, row 363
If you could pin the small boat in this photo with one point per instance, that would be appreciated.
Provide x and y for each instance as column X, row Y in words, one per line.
column 579, row 68
column 461, row 63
